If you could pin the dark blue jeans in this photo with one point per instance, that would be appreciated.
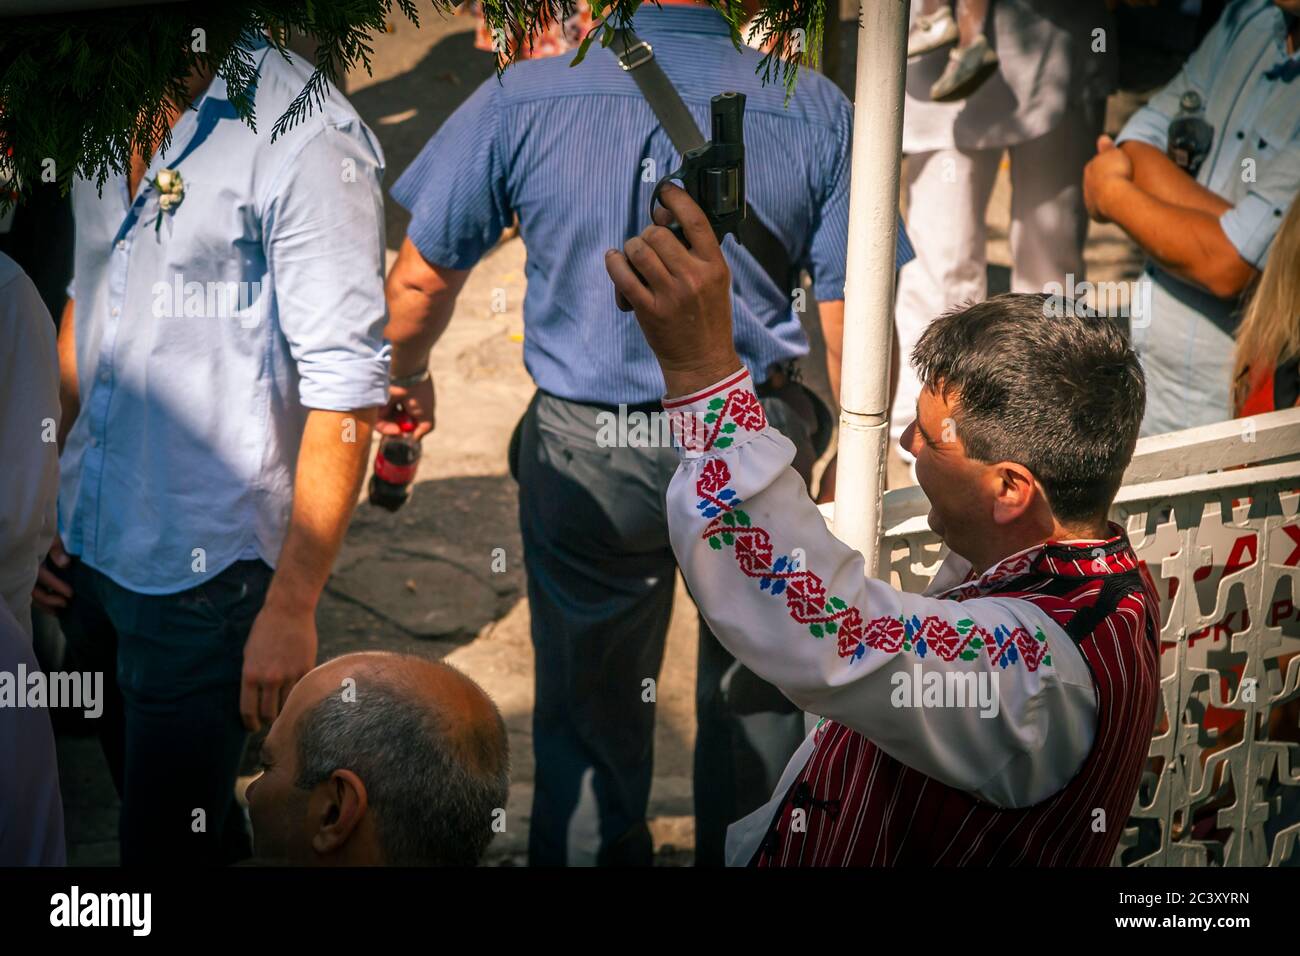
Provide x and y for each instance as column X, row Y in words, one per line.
column 174, row 737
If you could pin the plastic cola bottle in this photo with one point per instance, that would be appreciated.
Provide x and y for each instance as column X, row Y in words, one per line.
column 395, row 465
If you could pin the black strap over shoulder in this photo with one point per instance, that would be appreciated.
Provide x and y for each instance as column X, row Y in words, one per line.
column 1114, row 588
column 637, row 58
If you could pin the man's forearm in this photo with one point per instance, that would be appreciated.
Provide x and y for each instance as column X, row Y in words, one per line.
column 416, row 320
column 1189, row 243
column 331, row 465
column 832, row 322
column 421, row 297
column 69, row 390
column 1159, row 176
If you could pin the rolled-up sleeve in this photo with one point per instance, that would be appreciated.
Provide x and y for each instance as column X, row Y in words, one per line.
column 324, row 236
column 1150, row 124
column 456, row 189
column 1251, row 225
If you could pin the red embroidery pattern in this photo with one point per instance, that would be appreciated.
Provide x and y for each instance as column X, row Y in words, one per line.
column 1011, row 568
column 716, row 428
column 808, row 603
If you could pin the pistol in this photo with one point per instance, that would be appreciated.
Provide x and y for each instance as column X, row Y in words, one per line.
column 714, row 174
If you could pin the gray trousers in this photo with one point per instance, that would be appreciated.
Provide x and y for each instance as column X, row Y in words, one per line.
column 600, row 590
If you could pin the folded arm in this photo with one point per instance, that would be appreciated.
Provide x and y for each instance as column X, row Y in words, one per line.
column 1188, row 242
column 1176, row 220
column 1161, row 178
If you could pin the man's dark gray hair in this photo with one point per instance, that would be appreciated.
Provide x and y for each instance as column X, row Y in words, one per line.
column 433, row 796
column 1035, row 383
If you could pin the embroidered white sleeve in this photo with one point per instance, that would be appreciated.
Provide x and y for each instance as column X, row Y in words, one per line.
column 987, row 695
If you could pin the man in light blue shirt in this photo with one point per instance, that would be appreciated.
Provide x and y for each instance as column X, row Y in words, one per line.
column 223, row 360
column 1206, row 227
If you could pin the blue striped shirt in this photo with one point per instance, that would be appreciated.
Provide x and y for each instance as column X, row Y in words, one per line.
column 575, row 152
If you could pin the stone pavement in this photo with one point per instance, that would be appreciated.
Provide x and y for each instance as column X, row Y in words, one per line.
column 422, row 581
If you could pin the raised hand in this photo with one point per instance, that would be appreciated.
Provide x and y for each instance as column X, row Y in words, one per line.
column 681, row 297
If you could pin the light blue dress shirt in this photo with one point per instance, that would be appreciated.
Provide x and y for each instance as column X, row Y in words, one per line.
column 576, row 151
column 1250, row 88
column 205, row 333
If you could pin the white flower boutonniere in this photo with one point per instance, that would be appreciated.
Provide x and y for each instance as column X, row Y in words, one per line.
column 171, row 190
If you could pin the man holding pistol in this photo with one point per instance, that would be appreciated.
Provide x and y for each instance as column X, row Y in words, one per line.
column 574, row 154
column 1041, row 614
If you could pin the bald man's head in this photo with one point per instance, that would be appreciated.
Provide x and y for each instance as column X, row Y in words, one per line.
column 381, row 758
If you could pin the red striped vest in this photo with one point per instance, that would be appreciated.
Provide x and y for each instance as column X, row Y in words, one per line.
column 864, row 808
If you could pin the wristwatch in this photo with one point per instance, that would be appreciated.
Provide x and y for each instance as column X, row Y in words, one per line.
column 409, row 381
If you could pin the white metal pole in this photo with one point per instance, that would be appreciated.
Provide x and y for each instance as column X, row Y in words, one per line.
column 869, row 290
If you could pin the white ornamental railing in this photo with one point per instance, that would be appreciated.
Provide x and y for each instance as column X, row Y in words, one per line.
column 1215, row 515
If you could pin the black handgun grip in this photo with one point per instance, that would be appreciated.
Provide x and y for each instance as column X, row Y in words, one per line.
column 682, row 174
column 713, row 174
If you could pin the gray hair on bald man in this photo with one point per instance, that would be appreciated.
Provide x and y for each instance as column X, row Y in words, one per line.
column 433, row 791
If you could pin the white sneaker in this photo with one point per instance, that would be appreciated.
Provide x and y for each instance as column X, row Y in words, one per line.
column 930, row 33
column 966, row 71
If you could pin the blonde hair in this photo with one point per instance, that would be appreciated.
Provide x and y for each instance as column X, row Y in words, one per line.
column 1269, row 333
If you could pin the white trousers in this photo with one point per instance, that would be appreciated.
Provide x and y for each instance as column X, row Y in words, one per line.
column 948, row 193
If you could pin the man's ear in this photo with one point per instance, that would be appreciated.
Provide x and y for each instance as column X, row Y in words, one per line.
column 1015, row 492
column 336, row 808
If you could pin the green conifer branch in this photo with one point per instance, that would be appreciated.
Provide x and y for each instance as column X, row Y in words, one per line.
column 80, row 91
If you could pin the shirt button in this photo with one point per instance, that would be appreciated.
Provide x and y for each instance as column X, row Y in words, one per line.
column 1240, row 135
column 105, row 375
column 116, row 311
column 94, row 442
column 121, row 244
